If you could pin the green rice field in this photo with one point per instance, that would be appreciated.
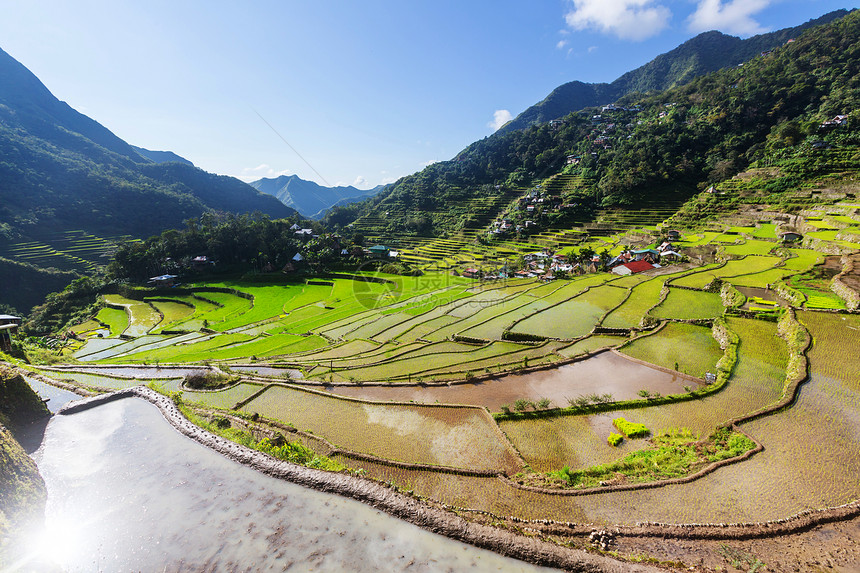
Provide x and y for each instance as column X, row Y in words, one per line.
column 683, row 347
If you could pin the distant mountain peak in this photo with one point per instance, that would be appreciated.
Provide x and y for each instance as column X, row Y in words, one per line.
column 308, row 198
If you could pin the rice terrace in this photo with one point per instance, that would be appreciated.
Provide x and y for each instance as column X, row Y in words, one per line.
column 624, row 337
column 594, row 399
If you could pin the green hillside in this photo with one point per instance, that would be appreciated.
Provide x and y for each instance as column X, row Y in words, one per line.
column 665, row 147
column 61, row 171
column 707, row 52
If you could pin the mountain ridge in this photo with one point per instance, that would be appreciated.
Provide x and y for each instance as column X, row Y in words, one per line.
column 667, row 144
column 707, row 52
column 160, row 156
column 308, row 198
column 61, row 170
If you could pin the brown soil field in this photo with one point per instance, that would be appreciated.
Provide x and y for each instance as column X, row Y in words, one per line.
column 833, row 547
column 852, row 279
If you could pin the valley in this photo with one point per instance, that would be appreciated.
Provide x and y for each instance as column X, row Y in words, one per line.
column 610, row 336
column 401, row 379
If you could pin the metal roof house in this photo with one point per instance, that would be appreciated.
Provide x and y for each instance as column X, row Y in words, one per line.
column 380, row 251
column 163, row 281
column 632, row 268
column 8, row 325
column 790, row 237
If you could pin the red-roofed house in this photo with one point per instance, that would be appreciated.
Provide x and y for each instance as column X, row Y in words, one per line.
column 632, row 267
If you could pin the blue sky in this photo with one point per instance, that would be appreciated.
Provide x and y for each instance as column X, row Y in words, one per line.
column 361, row 92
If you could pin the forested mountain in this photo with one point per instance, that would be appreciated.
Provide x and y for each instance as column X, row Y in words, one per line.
column 308, row 198
column 677, row 141
column 707, row 52
column 160, row 156
column 61, row 170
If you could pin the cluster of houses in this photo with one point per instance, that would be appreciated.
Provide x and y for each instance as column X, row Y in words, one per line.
column 535, row 203
column 541, row 264
column 547, row 266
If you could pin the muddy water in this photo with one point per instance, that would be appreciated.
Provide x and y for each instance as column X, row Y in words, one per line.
column 766, row 294
column 127, row 492
column 601, row 374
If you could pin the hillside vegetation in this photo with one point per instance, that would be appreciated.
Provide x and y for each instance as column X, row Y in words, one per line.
column 707, row 52
column 672, row 143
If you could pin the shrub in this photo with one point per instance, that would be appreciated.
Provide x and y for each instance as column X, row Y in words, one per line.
column 631, row 429
column 521, row 404
column 614, row 439
column 207, row 380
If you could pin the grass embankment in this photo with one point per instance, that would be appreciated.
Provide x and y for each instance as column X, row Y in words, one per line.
column 673, row 454
column 249, row 436
column 22, row 491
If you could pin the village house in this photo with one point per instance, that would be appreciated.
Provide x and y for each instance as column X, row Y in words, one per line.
column 837, row 121
column 632, row 268
column 8, row 325
column 378, row 251
column 201, row 262
column 163, row 281
column 649, row 255
column 790, row 237
column 670, row 256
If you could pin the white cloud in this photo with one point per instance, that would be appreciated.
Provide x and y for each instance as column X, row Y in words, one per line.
column 429, row 163
column 733, row 16
column 359, row 182
column 260, row 171
column 387, row 180
column 592, row 49
column 500, row 118
column 561, row 44
column 626, row 19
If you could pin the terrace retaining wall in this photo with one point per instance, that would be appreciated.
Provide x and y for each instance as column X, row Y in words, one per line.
column 846, row 293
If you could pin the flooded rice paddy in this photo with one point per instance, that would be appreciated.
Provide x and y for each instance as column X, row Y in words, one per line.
column 811, row 457
column 604, row 373
column 134, row 483
column 128, row 492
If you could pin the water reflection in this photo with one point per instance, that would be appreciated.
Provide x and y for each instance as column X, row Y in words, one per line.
column 606, row 372
column 127, row 492
column 30, row 436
